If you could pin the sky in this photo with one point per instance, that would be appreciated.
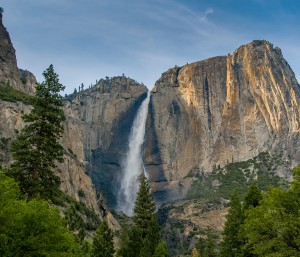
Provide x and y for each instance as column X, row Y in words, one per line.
column 87, row 40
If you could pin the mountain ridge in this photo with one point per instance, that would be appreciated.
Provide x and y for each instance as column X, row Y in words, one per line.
column 220, row 110
column 208, row 113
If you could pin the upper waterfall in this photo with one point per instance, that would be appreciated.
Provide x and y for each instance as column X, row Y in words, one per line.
column 132, row 165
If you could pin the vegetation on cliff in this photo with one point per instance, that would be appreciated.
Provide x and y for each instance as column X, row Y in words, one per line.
column 103, row 245
column 30, row 223
column 265, row 224
column 8, row 93
column 238, row 176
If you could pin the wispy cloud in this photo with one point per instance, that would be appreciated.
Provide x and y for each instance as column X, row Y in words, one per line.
column 141, row 38
column 206, row 13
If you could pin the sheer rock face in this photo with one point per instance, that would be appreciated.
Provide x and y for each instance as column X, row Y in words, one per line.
column 28, row 81
column 98, row 123
column 8, row 68
column 221, row 110
column 72, row 172
column 9, row 72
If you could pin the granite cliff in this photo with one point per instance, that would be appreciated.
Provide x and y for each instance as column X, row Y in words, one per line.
column 218, row 111
column 98, row 123
column 202, row 116
column 10, row 75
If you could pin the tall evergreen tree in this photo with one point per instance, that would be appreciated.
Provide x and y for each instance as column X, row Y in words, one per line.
column 145, row 219
column 231, row 245
column 143, row 236
column 103, row 245
column 37, row 147
column 252, row 200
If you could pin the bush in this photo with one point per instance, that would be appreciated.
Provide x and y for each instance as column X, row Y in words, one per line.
column 7, row 93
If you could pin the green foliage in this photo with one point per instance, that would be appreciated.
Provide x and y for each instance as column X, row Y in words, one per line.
column 237, row 176
column 252, row 198
column 268, row 225
column 37, row 147
column 128, row 246
column 273, row 227
column 207, row 247
column 75, row 222
column 210, row 249
column 8, row 93
column 31, row 228
column 161, row 250
column 231, row 245
column 103, row 245
column 141, row 239
column 144, row 206
column 195, row 253
column 78, row 216
column 9, row 190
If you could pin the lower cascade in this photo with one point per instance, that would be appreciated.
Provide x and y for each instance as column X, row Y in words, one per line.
column 132, row 165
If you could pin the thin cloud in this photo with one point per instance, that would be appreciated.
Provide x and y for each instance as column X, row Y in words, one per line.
column 204, row 18
column 137, row 37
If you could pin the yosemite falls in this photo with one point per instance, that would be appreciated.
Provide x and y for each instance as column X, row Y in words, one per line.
column 133, row 165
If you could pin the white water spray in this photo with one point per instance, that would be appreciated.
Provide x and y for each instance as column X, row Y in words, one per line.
column 133, row 164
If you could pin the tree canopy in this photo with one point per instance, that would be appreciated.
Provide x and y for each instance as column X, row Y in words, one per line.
column 31, row 228
column 231, row 245
column 37, row 148
column 273, row 227
column 103, row 245
column 267, row 225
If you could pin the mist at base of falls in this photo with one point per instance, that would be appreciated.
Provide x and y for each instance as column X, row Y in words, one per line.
column 132, row 165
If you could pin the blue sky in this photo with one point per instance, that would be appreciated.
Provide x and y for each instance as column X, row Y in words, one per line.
column 87, row 40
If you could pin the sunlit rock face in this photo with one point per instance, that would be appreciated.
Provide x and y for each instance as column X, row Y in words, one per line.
column 220, row 110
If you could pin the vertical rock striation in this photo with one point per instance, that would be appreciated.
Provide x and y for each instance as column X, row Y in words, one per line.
column 221, row 110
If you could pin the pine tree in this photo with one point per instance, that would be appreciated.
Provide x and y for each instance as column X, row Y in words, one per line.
column 141, row 239
column 37, row 148
column 231, row 245
column 252, row 198
column 161, row 250
column 103, row 245
column 145, row 219
column 144, row 208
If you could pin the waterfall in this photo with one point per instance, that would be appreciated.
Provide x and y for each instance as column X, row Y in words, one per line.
column 132, row 165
